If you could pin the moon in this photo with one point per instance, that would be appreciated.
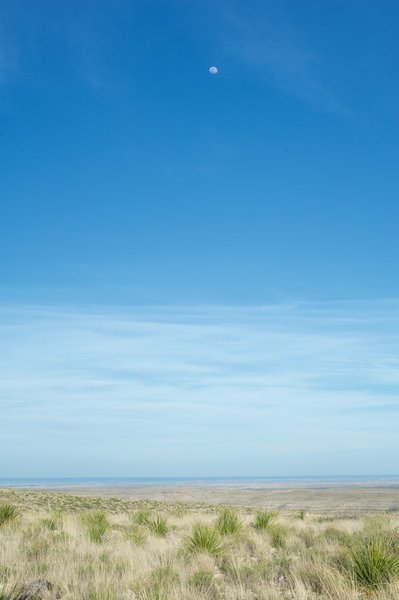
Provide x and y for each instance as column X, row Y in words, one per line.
column 213, row 70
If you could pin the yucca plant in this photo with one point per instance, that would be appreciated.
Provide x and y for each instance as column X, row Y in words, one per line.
column 229, row 522
column 264, row 518
column 204, row 539
column 374, row 562
column 8, row 512
column 97, row 526
column 142, row 517
column 158, row 526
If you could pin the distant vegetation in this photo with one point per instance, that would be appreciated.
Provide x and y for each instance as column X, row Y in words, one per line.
column 264, row 519
column 82, row 548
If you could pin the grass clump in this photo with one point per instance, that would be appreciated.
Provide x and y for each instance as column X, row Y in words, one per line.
column 258, row 572
column 205, row 583
column 136, row 535
column 165, row 575
column 50, row 523
column 204, row 539
column 333, row 534
column 264, row 518
column 179, row 511
column 97, row 526
column 158, row 526
column 229, row 522
column 8, row 512
column 202, row 580
column 37, row 549
column 278, row 535
column 100, row 595
column 162, row 581
column 142, row 517
column 374, row 562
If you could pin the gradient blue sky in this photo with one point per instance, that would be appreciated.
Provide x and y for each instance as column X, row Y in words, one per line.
column 199, row 274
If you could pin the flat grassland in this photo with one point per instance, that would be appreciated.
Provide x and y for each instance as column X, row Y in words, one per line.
column 90, row 547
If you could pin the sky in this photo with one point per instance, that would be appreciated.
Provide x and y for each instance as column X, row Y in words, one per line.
column 199, row 273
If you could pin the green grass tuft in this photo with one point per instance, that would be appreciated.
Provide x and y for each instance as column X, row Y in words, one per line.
column 229, row 522
column 136, row 535
column 97, row 526
column 203, row 580
column 264, row 518
column 204, row 539
column 50, row 523
column 278, row 535
column 100, row 595
column 142, row 517
column 8, row 512
column 374, row 562
column 158, row 526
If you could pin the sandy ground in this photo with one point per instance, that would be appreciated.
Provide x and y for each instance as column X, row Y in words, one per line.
column 329, row 500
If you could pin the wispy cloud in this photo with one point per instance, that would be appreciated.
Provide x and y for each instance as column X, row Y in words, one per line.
column 269, row 39
column 177, row 373
column 8, row 55
column 4, row 65
column 79, row 33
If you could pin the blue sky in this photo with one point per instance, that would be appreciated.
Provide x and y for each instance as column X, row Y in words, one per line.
column 198, row 274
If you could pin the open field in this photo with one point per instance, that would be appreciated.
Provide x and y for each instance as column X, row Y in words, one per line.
column 327, row 499
column 113, row 548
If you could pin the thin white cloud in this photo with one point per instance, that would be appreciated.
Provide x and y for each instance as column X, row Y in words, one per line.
column 8, row 57
column 174, row 350
column 231, row 370
column 269, row 39
column 81, row 31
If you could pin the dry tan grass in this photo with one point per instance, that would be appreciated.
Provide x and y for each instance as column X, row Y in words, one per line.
column 291, row 558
